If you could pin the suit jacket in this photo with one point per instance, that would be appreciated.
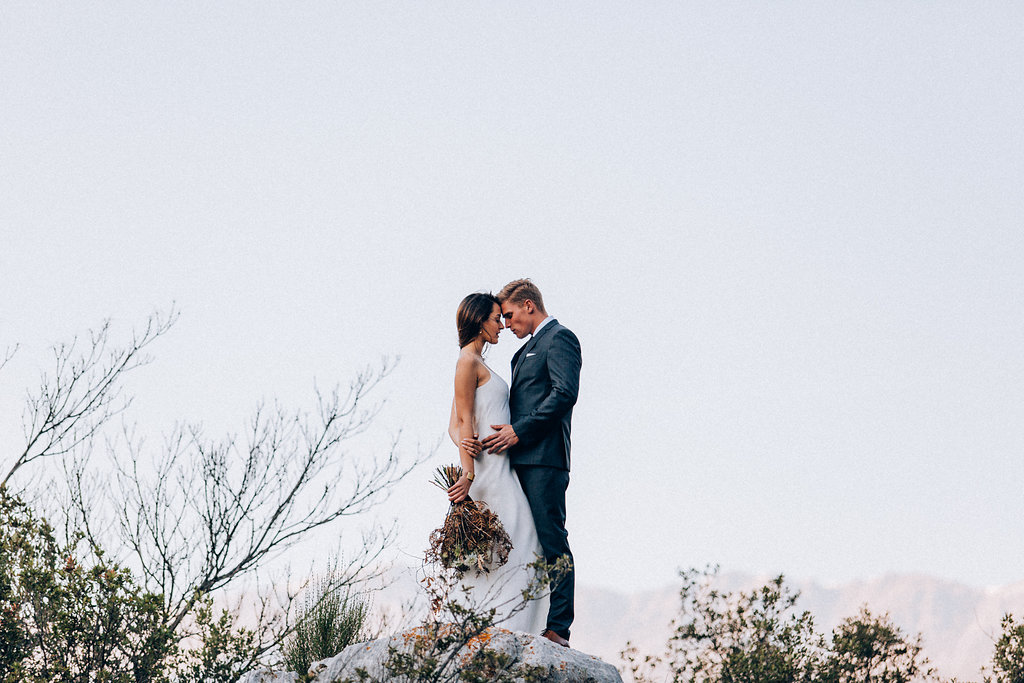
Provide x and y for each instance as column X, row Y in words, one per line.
column 545, row 384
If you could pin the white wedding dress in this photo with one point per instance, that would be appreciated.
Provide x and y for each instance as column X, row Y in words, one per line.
column 497, row 485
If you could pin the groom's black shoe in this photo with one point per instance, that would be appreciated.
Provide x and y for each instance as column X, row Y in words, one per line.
column 554, row 637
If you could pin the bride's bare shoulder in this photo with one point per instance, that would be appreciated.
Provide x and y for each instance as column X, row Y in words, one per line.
column 470, row 364
column 467, row 357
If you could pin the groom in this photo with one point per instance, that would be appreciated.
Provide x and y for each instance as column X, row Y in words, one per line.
column 544, row 387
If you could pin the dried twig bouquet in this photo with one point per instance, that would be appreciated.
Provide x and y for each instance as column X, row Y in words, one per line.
column 472, row 536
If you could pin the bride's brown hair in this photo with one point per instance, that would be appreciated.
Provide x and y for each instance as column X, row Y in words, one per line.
column 473, row 312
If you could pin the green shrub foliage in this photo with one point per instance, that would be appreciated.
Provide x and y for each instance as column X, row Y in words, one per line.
column 760, row 637
column 1008, row 660
column 224, row 651
column 872, row 648
column 65, row 617
column 330, row 621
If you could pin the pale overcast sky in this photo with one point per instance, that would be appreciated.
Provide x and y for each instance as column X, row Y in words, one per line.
column 789, row 237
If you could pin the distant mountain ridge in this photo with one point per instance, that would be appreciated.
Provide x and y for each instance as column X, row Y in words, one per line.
column 958, row 623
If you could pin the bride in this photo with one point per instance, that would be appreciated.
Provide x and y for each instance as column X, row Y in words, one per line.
column 481, row 400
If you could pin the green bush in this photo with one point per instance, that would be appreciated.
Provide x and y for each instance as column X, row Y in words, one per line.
column 1008, row 659
column 330, row 621
column 224, row 653
column 760, row 637
column 872, row 648
column 64, row 617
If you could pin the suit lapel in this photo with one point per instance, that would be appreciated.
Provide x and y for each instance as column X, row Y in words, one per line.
column 515, row 360
column 521, row 354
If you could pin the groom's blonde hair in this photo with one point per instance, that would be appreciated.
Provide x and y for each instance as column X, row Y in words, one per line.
column 518, row 291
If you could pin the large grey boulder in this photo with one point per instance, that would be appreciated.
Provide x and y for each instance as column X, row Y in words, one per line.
column 552, row 662
column 264, row 676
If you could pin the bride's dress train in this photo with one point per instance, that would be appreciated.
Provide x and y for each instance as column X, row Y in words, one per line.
column 497, row 485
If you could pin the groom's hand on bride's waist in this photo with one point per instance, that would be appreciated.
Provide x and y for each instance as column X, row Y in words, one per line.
column 501, row 440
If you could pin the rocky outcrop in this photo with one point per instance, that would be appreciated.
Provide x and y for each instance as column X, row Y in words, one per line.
column 264, row 676
column 534, row 658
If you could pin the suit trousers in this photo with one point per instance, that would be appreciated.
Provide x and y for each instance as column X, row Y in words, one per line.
column 545, row 490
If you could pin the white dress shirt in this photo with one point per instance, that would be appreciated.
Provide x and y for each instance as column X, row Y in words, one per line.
column 543, row 322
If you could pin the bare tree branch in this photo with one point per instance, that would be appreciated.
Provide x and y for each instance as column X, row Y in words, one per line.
column 83, row 392
column 195, row 515
column 210, row 512
column 7, row 355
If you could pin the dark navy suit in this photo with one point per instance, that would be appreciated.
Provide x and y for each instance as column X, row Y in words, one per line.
column 545, row 384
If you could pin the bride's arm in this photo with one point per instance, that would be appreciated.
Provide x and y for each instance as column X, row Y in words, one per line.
column 453, row 425
column 465, row 393
column 472, row 445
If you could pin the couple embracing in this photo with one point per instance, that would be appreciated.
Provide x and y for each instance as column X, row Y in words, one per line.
column 514, row 447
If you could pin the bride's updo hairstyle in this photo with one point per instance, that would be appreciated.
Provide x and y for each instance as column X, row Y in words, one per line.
column 473, row 312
